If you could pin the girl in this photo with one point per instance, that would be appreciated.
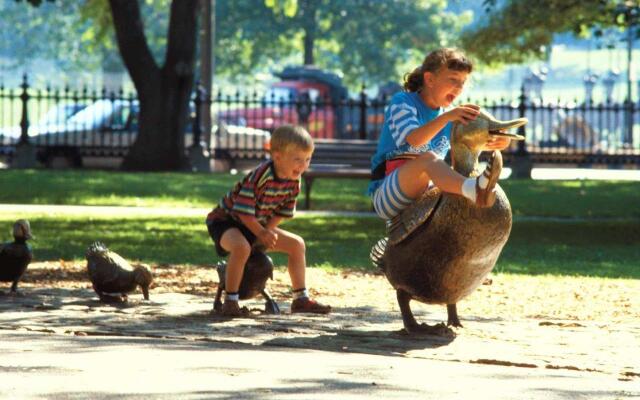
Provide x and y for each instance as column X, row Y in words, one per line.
column 416, row 134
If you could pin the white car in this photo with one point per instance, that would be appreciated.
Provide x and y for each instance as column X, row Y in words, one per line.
column 99, row 135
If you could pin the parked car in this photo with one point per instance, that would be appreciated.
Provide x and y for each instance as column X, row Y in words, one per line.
column 55, row 116
column 100, row 134
column 314, row 98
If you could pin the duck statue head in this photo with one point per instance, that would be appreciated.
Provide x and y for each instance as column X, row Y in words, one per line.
column 442, row 247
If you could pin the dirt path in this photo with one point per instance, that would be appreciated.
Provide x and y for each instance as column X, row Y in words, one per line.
column 577, row 324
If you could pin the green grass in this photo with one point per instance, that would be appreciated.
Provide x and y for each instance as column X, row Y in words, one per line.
column 583, row 248
column 594, row 228
column 563, row 199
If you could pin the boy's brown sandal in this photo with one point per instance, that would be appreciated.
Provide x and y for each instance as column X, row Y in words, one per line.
column 231, row 308
column 306, row 305
column 487, row 196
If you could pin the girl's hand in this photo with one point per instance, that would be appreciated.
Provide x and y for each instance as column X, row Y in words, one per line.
column 463, row 113
column 497, row 143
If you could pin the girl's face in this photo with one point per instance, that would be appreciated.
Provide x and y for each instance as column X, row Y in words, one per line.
column 292, row 163
column 443, row 87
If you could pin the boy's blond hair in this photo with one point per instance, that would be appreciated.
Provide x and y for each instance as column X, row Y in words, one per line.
column 286, row 137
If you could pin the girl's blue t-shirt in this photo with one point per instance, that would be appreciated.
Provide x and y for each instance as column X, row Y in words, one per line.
column 406, row 112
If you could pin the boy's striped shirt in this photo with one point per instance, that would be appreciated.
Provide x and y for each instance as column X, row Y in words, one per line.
column 261, row 194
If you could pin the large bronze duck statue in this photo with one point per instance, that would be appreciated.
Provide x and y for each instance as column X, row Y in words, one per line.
column 15, row 256
column 442, row 247
column 113, row 277
column 257, row 270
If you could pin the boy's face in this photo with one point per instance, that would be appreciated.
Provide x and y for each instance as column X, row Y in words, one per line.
column 444, row 86
column 292, row 163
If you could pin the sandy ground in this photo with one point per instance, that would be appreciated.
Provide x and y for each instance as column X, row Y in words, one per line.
column 508, row 296
column 586, row 329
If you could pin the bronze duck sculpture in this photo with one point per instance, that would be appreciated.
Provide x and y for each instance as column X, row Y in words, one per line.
column 443, row 246
column 15, row 256
column 113, row 277
column 257, row 270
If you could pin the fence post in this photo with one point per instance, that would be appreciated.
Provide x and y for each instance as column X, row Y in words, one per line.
column 363, row 114
column 25, row 152
column 197, row 120
column 199, row 155
column 627, row 135
column 522, row 164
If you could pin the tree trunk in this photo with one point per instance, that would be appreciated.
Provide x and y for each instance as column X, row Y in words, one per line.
column 309, row 10
column 163, row 91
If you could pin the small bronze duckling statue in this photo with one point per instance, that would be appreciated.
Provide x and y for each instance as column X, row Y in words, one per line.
column 442, row 247
column 113, row 277
column 15, row 256
column 257, row 270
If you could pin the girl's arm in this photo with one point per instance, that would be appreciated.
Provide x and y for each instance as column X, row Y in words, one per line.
column 462, row 114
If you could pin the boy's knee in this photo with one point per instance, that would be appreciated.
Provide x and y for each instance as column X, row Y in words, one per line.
column 300, row 244
column 240, row 249
column 297, row 244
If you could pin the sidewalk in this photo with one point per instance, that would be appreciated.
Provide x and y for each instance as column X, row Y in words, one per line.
column 64, row 344
column 123, row 211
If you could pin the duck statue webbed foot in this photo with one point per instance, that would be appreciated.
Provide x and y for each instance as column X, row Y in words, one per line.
column 270, row 305
column 452, row 316
column 411, row 326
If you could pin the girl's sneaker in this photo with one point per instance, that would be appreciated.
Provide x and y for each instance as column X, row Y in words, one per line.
column 485, row 197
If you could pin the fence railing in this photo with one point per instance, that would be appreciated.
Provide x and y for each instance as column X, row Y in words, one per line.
column 105, row 124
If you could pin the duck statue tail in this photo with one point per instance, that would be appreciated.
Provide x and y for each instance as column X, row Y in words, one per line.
column 377, row 251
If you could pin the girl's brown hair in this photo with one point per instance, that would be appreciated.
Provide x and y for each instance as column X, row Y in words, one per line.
column 453, row 59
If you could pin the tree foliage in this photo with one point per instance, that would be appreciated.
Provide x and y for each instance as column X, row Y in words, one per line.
column 164, row 88
column 515, row 31
column 75, row 35
column 53, row 31
column 366, row 40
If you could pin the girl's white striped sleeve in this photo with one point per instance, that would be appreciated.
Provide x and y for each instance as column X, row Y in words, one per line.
column 403, row 120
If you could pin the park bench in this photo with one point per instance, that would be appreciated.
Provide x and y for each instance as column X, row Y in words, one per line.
column 338, row 158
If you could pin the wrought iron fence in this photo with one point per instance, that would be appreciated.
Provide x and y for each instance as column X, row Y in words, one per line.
column 105, row 124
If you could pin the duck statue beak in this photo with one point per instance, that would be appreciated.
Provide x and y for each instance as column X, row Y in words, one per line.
column 501, row 128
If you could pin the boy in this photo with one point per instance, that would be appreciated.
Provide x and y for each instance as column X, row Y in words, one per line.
column 251, row 211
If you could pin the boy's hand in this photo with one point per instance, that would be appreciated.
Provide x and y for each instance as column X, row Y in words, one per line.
column 497, row 143
column 463, row 113
column 268, row 238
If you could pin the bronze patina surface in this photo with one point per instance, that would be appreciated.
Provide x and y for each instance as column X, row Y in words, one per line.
column 443, row 246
